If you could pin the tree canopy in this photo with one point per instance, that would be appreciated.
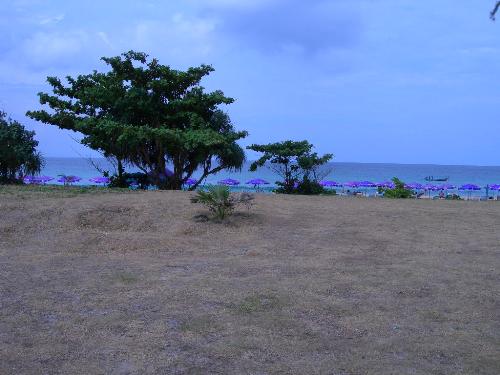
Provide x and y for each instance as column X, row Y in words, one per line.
column 18, row 154
column 293, row 161
column 148, row 115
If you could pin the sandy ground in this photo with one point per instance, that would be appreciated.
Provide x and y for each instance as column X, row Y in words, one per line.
column 130, row 283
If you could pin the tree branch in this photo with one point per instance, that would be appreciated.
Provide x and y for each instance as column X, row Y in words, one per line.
column 494, row 11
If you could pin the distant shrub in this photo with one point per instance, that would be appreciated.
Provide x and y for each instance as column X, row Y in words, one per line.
column 18, row 154
column 398, row 191
column 453, row 197
column 309, row 187
column 220, row 201
column 127, row 179
column 305, row 187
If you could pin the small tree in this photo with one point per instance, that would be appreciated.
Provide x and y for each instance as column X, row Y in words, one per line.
column 18, row 154
column 293, row 161
column 398, row 191
column 220, row 201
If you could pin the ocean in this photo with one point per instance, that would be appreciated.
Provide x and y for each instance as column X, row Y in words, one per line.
column 340, row 172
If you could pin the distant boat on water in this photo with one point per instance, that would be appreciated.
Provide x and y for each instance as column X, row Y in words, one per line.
column 436, row 178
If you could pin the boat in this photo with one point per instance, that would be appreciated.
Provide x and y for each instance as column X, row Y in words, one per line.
column 436, row 178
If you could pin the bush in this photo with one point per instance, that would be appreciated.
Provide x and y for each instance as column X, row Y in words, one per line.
column 18, row 154
column 309, row 187
column 304, row 187
column 399, row 191
column 220, row 201
column 126, row 179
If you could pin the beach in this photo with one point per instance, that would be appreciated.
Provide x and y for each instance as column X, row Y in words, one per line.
column 134, row 283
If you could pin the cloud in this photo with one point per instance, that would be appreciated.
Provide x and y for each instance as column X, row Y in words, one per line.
column 52, row 20
column 180, row 36
column 45, row 47
column 291, row 26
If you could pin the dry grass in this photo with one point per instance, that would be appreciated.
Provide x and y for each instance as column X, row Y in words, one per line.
column 131, row 284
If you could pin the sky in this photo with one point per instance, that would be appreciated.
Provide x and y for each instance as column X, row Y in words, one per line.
column 384, row 81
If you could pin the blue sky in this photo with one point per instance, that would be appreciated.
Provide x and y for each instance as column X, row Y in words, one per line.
column 368, row 80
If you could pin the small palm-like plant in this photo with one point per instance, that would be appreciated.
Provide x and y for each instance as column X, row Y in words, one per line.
column 218, row 199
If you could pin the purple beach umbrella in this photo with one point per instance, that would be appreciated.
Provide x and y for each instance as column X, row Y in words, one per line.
column 37, row 179
column 385, row 184
column 414, row 186
column 495, row 187
column 257, row 181
column 446, row 187
column 191, row 181
column 100, row 180
column 366, row 184
column 329, row 184
column 69, row 179
column 351, row 184
column 431, row 187
column 469, row 187
column 228, row 182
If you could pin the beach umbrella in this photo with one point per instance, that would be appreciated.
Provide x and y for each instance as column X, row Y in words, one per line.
column 67, row 180
column 329, row 184
column 228, row 182
column 257, row 181
column 385, row 184
column 37, row 179
column 414, row 186
column 352, row 184
column 431, row 187
column 469, row 188
column 191, row 181
column 367, row 184
column 495, row 187
column 446, row 187
column 100, row 180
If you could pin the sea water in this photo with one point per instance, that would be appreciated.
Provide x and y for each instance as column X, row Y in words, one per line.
column 340, row 172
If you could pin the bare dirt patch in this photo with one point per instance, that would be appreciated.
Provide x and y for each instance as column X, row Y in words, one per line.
column 120, row 283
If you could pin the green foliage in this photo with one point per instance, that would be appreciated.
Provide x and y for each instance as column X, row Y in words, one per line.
column 309, row 187
column 294, row 162
column 147, row 114
column 220, row 201
column 399, row 190
column 126, row 179
column 217, row 199
column 18, row 154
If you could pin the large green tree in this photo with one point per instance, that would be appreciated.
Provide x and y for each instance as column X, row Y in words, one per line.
column 293, row 161
column 18, row 153
column 148, row 115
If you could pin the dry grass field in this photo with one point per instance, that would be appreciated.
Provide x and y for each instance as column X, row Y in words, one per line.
column 131, row 283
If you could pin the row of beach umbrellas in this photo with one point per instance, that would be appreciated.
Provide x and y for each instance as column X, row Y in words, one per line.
column 258, row 181
column 232, row 182
column 412, row 186
column 37, row 180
